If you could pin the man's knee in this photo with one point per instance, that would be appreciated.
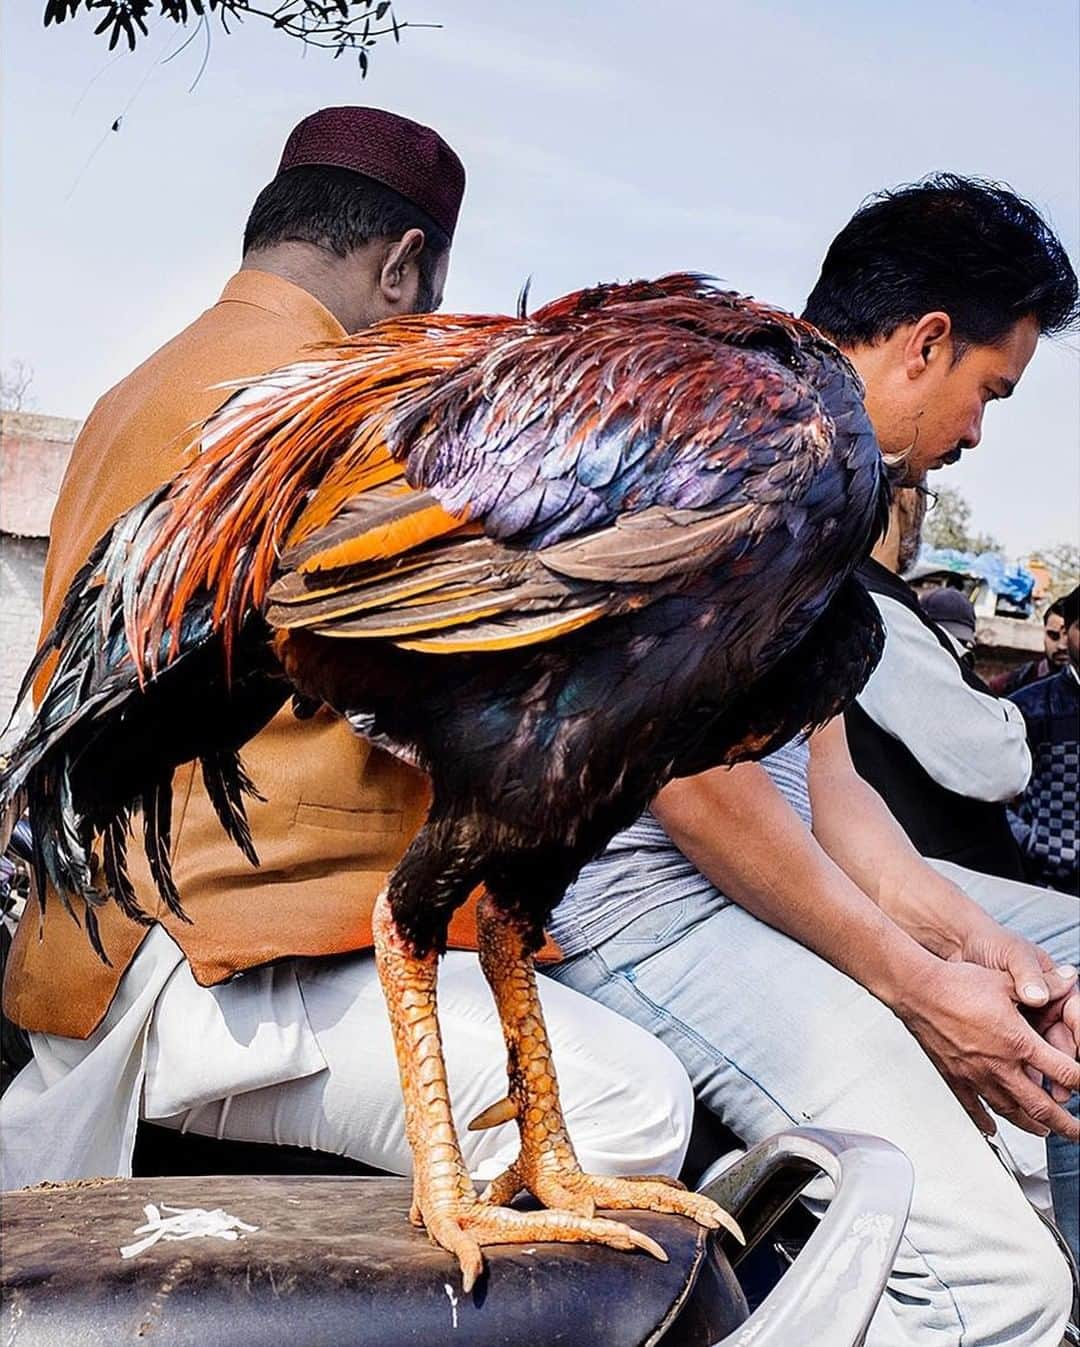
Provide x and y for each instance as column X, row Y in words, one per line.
column 640, row 1110
column 668, row 1106
column 1030, row 1285
column 1043, row 1270
column 627, row 1098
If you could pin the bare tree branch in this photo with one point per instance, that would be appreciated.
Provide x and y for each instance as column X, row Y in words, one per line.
column 15, row 383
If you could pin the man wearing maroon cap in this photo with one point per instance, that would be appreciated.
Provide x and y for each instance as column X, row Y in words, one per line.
column 360, row 215
column 355, row 226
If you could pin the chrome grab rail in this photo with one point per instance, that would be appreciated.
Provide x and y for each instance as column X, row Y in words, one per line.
column 829, row 1294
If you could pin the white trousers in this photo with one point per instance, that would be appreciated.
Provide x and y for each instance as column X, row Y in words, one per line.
column 627, row 1099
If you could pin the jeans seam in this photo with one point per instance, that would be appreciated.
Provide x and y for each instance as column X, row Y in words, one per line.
column 658, row 943
column 918, row 1253
column 585, row 939
column 703, row 1044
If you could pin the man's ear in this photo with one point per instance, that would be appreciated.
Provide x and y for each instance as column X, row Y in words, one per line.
column 399, row 258
column 929, row 341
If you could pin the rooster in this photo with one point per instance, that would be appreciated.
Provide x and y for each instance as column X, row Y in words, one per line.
column 556, row 559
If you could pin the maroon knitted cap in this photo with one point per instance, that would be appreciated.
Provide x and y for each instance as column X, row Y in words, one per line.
column 410, row 158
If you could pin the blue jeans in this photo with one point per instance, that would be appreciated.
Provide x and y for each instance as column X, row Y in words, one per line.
column 773, row 1036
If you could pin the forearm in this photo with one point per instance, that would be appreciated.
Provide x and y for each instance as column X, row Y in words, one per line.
column 856, row 829
column 742, row 835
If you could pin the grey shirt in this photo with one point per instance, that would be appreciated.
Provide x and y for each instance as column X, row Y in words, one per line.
column 642, row 867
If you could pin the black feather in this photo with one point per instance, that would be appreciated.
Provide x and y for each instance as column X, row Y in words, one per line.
column 114, row 859
column 157, row 800
column 226, row 784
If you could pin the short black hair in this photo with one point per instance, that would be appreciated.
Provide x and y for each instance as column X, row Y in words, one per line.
column 1070, row 607
column 1055, row 609
column 340, row 210
column 970, row 248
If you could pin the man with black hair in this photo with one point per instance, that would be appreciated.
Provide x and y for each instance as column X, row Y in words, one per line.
column 939, row 293
column 1054, row 658
column 1047, row 817
column 773, row 923
column 354, row 227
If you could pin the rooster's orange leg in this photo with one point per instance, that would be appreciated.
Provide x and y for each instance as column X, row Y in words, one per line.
column 546, row 1164
column 444, row 1199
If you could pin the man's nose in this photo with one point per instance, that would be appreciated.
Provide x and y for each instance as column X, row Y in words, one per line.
column 973, row 434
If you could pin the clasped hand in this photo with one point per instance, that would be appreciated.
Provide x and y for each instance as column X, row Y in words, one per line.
column 1002, row 1025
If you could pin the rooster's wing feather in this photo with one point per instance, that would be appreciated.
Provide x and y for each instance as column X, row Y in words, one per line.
column 454, row 485
column 601, row 471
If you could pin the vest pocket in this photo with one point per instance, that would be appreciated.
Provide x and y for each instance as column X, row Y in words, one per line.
column 382, row 821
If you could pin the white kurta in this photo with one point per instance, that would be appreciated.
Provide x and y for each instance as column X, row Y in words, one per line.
column 233, row 1060
column 301, row 1053
column 73, row 1111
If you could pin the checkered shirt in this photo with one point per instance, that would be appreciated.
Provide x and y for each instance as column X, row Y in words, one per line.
column 1046, row 819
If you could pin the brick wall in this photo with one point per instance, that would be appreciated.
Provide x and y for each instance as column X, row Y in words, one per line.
column 34, row 452
column 22, row 565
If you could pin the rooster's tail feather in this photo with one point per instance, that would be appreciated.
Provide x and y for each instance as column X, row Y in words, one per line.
column 104, row 742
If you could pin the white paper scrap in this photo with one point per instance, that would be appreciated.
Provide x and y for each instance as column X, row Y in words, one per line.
column 185, row 1223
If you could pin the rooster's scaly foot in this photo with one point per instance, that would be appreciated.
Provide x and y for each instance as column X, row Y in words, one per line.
column 462, row 1229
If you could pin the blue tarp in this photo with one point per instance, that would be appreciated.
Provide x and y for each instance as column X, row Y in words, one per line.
column 1014, row 583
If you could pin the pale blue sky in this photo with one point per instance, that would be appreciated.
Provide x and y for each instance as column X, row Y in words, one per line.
column 601, row 140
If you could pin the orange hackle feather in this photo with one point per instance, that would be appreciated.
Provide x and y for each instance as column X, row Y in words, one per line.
column 273, row 473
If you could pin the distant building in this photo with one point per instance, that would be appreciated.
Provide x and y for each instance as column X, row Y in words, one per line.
column 34, row 452
column 1003, row 643
column 1005, row 637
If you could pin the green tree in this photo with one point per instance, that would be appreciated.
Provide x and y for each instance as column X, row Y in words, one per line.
column 948, row 524
column 338, row 25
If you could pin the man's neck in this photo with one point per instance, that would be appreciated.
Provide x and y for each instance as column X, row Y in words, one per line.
column 315, row 270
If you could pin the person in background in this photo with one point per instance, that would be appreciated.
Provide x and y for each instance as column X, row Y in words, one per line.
column 1056, row 657
column 953, row 612
column 1046, row 819
column 942, row 752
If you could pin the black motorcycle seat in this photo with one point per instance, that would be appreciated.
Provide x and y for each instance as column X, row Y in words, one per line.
column 333, row 1262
